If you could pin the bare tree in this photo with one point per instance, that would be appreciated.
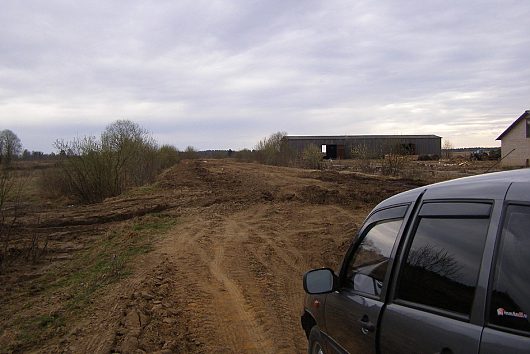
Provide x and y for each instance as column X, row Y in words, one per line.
column 10, row 146
column 132, row 151
column 435, row 260
column 446, row 149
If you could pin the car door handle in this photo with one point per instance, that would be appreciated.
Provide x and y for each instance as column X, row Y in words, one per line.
column 366, row 325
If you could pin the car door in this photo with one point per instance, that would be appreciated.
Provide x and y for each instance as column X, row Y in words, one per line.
column 508, row 317
column 430, row 310
column 352, row 312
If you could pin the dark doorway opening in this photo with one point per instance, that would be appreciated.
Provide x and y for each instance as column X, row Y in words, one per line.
column 331, row 152
column 334, row 151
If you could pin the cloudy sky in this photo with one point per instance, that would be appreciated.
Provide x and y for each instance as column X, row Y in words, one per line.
column 223, row 74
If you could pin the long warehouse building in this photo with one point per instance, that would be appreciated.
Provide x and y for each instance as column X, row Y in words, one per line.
column 340, row 147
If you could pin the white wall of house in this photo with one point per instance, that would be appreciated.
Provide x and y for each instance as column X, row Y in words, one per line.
column 516, row 139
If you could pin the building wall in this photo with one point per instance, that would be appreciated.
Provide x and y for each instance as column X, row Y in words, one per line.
column 376, row 144
column 516, row 139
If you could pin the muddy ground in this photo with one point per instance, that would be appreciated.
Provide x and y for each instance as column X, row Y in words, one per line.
column 207, row 260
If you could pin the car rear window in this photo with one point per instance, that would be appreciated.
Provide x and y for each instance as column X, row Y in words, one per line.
column 510, row 295
column 443, row 260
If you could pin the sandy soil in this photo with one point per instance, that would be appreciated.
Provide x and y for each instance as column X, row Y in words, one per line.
column 226, row 277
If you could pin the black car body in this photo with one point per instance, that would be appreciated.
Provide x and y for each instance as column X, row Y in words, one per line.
column 439, row 269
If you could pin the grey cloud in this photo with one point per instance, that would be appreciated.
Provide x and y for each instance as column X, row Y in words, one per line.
column 204, row 69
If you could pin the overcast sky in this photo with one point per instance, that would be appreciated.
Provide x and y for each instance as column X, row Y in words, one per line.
column 223, row 74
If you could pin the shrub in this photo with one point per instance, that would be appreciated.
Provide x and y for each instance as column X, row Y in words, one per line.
column 364, row 157
column 11, row 189
column 312, row 157
column 393, row 164
column 53, row 182
column 274, row 150
column 190, row 153
column 394, row 161
column 168, row 156
column 93, row 169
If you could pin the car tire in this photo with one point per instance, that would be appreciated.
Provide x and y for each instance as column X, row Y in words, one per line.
column 315, row 341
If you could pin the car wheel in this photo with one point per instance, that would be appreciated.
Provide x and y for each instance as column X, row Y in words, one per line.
column 315, row 341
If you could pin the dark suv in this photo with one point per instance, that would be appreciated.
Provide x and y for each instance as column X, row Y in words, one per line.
column 439, row 269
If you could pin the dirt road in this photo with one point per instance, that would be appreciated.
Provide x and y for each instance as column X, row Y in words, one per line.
column 226, row 278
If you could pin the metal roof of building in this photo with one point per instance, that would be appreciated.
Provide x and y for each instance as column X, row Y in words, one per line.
column 307, row 137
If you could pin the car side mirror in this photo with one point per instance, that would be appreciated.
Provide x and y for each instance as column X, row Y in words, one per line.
column 319, row 281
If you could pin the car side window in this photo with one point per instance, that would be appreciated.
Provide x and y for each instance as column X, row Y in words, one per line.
column 368, row 265
column 510, row 297
column 443, row 261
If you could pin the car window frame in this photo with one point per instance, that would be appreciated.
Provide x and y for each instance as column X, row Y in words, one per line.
column 408, row 238
column 371, row 221
column 493, row 270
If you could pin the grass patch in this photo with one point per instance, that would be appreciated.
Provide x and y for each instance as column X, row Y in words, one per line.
column 32, row 331
column 78, row 282
column 50, row 321
column 155, row 222
column 108, row 261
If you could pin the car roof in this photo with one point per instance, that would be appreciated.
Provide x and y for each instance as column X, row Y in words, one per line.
column 514, row 185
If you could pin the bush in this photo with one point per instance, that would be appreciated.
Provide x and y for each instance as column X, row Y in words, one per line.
column 168, row 156
column 393, row 164
column 364, row 157
column 53, row 182
column 190, row 153
column 312, row 157
column 274, row 150
column 132, row 152
column 11, row 189
column 395, row 160
column 124, row 157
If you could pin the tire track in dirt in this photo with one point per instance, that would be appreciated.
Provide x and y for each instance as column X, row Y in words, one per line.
column 251, row 335
column 215, row 310
column 265, row 274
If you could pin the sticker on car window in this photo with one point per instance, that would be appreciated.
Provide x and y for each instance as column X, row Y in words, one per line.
column 502, row 312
